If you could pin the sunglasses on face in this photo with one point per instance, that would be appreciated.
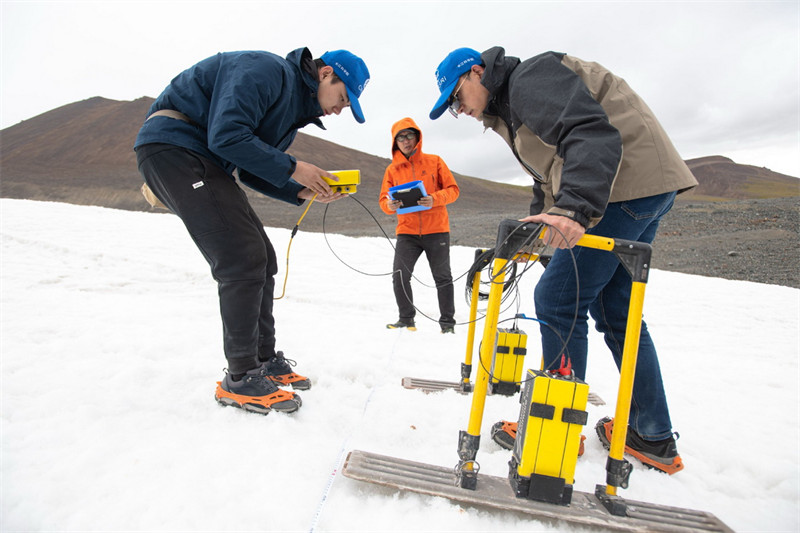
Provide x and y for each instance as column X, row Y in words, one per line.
column 455, row 105
column 410, row 136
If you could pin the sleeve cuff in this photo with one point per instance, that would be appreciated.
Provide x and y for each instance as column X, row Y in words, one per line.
column 580, row 218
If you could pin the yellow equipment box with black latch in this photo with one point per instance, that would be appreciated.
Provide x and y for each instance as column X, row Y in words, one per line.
column 348, row 181
column 508, row 361
column 551, row 418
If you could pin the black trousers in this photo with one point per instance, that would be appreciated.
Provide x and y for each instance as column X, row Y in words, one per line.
column 230, row 236
column 437, row 250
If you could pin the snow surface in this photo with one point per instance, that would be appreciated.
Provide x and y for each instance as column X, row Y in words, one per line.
column 111, row 348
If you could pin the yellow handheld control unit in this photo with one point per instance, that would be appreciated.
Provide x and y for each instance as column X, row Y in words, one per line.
column 348, row 181
column 509, row 358
column 551, row 418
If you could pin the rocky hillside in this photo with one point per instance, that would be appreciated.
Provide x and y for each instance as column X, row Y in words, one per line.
column 81, row 153
column 722, row 179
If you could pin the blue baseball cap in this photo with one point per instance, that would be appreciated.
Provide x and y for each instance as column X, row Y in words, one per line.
column 456, row 63
column 353, row 72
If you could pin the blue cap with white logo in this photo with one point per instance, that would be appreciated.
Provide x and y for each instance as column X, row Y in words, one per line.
column 353, row 72
column 456, row 63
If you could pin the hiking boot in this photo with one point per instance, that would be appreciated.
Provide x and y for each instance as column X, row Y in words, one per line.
column 257, row 393
column 505, row 433
column 448, row 329
column 400, row 324
column 279, row 369
column 659, row 454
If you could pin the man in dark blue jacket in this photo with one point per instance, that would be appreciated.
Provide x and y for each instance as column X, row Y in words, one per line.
column 232, row 116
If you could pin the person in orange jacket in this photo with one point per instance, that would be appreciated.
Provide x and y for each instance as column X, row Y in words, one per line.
column 426, row 230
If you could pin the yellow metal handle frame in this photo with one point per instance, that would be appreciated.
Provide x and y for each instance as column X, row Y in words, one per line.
column 635, row 257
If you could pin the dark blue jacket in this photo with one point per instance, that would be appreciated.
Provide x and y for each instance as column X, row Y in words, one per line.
column 246, row 108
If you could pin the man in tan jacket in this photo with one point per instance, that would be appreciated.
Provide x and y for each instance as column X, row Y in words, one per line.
column 602, row 164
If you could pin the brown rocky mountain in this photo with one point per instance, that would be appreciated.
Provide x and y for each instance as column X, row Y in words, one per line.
column 81, row 153
column 722, row 179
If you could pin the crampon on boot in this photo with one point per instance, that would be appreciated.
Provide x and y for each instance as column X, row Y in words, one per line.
column 257, row 393
column 504, row 433
column 279, row 369
column 660, row 455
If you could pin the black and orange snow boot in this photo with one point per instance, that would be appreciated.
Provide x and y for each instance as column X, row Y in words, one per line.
column 504, row 433
column 660, row 455
column 257, row 393
column 279, row 369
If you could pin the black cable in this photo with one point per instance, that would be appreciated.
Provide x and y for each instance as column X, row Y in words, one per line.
column 482, row 262
column 325, row 234
column 564, row 343
column 510, row 271
column 525, row 244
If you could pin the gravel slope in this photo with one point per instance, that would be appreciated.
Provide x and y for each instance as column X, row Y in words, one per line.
column 752, row 240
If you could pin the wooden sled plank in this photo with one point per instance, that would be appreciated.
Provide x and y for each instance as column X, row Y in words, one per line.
column 496, row 493
column 432, row 385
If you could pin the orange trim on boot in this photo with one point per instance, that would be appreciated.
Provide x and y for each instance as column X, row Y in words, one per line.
column 264, row 401
column 675, row 467
column 510, row 428
column 291, row 379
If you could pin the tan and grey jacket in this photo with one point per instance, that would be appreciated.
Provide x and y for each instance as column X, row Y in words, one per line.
column 581, row 132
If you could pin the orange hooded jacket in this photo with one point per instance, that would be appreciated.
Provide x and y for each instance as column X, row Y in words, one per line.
column 432, row 172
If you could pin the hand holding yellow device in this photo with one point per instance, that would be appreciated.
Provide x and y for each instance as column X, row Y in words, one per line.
column 348, row 181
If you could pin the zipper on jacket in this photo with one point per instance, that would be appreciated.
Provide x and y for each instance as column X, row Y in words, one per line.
column 498, row 113
column 419, row 213
column 538, row 177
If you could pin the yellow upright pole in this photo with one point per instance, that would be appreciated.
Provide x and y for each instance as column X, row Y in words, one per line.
column 473, row 314
column 487, row 347
column 469, row 440
column 627, row 372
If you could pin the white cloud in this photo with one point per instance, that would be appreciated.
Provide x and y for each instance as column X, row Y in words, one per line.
column 722, row 78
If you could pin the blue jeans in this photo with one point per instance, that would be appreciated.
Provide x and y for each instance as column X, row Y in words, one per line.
column 605, row 290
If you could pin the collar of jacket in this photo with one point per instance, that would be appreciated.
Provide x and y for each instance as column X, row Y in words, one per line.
column 498, row 68
column 398, row 158
column 302, row 59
